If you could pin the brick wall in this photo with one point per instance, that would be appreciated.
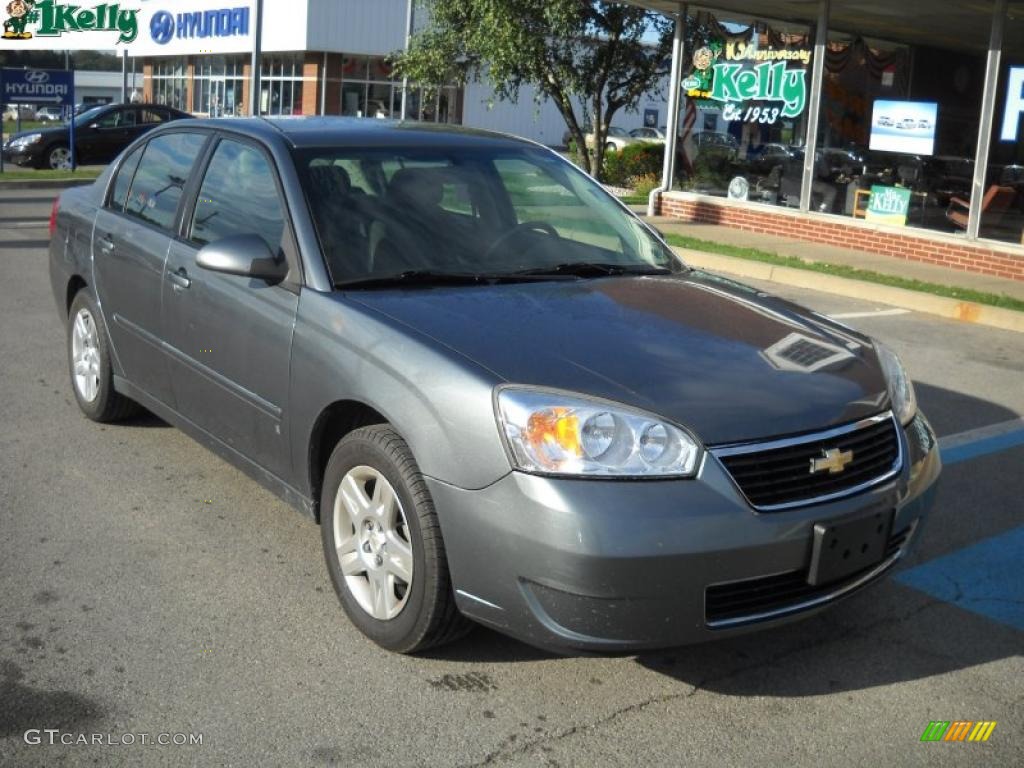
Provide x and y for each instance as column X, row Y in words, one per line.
column 311, row 83
column 915, row 245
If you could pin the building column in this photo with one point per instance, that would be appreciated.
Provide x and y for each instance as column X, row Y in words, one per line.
column 147, row 81
column 311, row 74
column 814, row 106
column 672, row 124
column 988, row 108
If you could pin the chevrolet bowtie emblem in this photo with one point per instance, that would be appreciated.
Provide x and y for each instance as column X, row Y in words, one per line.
column 833, row 460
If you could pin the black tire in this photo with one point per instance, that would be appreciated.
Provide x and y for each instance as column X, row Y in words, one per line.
column 108, row 405
column 47, row 160
column 429, row 617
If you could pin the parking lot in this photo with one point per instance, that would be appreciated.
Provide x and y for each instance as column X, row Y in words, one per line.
column 147, row 587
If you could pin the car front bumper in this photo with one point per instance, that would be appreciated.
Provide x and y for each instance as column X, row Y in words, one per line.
column 21, row 155
column 601, row 565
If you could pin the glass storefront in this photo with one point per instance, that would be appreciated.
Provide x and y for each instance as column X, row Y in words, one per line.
column 281, row 84
column 1002, row 207
column 170, row 82
column 217, row 87
column 898, row 122
column 368, row 89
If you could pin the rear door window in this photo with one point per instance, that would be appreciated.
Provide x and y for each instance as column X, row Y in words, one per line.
column 161, row 177
column 238, row 197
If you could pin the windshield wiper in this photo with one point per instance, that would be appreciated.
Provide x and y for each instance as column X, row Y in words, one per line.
column 595, row 269
column 426, row 277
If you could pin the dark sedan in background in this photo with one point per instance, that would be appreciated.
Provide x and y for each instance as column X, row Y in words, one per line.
column 100, row 135
column 499, row 392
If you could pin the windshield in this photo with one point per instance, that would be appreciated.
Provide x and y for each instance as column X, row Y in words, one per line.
column 88, row 116
column 469, row 212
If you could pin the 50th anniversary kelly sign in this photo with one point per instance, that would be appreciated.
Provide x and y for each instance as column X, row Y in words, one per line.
column 754, row 84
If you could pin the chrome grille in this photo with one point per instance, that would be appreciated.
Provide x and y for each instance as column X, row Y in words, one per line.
column 777, row 474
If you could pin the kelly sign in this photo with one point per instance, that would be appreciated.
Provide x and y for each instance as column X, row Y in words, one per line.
column 888, row 205
column 769, row 88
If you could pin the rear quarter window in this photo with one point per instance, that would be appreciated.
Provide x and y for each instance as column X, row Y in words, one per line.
column 123, row 179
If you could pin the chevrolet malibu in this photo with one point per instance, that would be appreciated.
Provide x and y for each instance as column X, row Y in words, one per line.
column 501, row 395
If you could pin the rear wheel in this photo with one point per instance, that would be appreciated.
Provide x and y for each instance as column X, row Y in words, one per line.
column 383, row 544
column 610, row 147
column 92, row 377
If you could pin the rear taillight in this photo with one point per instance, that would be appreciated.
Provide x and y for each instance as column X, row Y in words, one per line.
column 53, row 215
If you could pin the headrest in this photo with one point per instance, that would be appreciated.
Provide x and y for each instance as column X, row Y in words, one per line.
column 421, row 187
column 331, row 179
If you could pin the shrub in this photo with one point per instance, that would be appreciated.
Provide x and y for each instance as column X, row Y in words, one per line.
column 644, row 183
column 622, row 168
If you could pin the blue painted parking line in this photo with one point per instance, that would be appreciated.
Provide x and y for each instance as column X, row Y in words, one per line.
column 981, row 442
column 985, row 578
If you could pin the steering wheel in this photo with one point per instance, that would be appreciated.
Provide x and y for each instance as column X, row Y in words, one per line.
column 516, row 231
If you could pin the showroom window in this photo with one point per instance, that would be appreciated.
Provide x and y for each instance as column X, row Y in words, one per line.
column 368, row 89
column 169, row 82
column 898, row 128
column 281, row 84
column 217, row 86
column 1002, row 207
column 744, row 117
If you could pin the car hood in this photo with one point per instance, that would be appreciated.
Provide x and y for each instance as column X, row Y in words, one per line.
column 46, row 132
column 725, row 360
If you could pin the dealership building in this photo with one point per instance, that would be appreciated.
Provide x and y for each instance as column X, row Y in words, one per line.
column 888, row 127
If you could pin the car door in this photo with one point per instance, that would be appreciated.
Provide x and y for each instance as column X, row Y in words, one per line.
column 105, row 137
column 131, row 235
column 230, row 336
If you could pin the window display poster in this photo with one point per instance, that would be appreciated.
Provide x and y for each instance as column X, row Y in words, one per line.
column 888, row 205
column 904, row 126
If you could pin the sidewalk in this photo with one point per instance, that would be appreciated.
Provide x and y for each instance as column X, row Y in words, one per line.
column 815, row 252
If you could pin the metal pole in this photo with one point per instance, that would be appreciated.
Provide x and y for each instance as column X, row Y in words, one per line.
column 124, row 76
column 408, row 40
column 323, row 86
column 814, row 108
column 668, row 166
column 988, row 106
column 254, row 65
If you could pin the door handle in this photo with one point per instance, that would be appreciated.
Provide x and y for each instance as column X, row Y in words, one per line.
column 106, row 243
column 179, row 278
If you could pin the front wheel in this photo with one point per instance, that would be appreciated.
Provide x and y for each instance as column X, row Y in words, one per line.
column 57, row 157
column 610, row 147
column 383, row 544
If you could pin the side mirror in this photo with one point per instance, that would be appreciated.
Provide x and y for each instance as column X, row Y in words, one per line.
column 242, row 255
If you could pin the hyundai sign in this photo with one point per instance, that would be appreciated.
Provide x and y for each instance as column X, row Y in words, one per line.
column 37, row 86
column 195, row 27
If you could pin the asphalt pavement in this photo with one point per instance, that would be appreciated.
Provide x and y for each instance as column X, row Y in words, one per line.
column 147, row 587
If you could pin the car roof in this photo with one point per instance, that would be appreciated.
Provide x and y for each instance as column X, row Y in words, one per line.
column 358, row 132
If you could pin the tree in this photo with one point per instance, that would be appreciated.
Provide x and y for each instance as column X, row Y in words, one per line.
column 602, row 56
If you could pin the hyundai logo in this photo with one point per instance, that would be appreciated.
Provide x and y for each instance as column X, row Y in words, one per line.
column 161, row 27
column 37, row 76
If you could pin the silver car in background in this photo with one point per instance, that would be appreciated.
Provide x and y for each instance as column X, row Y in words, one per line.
column 500, row 393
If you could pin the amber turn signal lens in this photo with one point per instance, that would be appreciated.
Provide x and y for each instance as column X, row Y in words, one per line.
column 554, row 428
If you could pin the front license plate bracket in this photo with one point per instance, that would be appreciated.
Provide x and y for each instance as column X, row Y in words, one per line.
column 843, row 548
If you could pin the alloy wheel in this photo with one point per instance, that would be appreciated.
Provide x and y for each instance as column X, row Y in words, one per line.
column 372, row 539
column 85, row 355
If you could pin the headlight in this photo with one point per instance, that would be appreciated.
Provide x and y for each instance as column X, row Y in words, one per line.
column 552, row 432
column 24, row 141
column 901, row 390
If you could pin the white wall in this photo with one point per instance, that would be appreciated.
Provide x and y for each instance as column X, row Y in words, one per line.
column 541, row 122
column 371, row 27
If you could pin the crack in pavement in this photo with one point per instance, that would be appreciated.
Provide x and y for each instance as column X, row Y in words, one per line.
column 504, row 752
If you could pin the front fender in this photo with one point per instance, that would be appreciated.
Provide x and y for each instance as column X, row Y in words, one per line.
column 439, row 401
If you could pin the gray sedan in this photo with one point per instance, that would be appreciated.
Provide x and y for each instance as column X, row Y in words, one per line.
column 501, row 395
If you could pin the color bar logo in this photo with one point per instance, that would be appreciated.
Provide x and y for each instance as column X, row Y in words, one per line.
column 958, row 730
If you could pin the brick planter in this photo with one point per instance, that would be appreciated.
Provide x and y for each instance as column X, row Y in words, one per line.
column 916, row 245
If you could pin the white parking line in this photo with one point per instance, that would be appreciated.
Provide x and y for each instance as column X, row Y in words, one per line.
column 872, row 313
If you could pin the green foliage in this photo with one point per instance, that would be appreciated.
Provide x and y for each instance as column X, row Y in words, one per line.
column 591, row 58
column 91, row 60
column 711, row 170
column 622, row 168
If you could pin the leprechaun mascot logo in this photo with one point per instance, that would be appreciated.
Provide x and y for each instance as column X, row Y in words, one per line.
column 19, row 14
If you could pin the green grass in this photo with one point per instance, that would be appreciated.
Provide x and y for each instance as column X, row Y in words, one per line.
column 841, row 270
column 634, row 199
column 11, row 126
column 13, row 173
